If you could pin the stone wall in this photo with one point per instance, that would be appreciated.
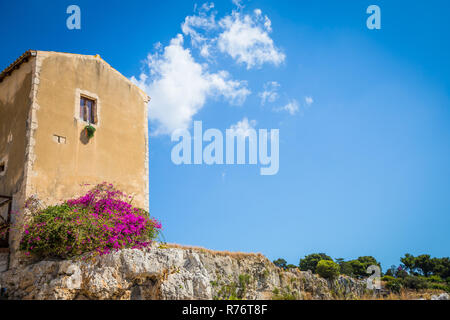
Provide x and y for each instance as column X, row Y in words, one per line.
column 4, row 256
column 172, row 273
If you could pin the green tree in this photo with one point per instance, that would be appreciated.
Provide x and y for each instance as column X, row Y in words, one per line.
column 359, row 266
column 401, row 272
column 358, row 269
column 368, row 261
column 424, row 263
column 442, row 267
column 391, row 271
column 409, row 262
column 280, row 263
column 344, row 267
column 309, row 262
column 327, row 269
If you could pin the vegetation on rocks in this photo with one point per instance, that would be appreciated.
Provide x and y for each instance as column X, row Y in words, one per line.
column 97, row 223
column 310, row 261
column 327, row 269
column 416, row 273
column 104, row 221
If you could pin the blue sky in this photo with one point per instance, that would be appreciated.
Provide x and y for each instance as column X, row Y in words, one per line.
column 364, row 116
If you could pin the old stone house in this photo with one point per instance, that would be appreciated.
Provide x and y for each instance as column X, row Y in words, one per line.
column 46, row 101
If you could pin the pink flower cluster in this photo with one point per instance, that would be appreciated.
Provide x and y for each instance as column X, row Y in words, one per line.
column 100, row 221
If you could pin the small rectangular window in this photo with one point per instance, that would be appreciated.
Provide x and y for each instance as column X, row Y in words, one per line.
column 2, row 167
column 88, row 110
column 59, row 139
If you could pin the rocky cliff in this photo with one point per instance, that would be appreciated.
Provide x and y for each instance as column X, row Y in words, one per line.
column 172, row 273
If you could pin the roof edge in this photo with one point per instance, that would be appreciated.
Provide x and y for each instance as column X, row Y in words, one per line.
column 16, row 64
column 32, row 53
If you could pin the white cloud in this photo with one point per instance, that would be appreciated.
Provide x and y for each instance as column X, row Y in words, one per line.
column 267, row 24
column 292, row 107
column 269, row 93
column 179, row 87
column 200, row 27
column 205, row 51
column 243, row 127
column 246, row 39
column 238, row 3
column 157, row 46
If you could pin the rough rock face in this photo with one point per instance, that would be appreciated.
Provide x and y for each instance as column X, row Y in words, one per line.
column 172, row 273
column 442, row 296
column 3, row 261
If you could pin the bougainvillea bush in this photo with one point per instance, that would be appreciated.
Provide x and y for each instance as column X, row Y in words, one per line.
column 97, row 223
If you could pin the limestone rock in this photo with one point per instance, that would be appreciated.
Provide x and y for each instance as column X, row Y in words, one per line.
column 172, row 273
column 442, row 296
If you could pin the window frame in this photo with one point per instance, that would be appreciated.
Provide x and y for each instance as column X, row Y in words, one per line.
column 80, row 94
column 4, row 164
column 88, row 108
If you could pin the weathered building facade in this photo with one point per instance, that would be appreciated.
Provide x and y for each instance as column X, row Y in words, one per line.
column 46, row 101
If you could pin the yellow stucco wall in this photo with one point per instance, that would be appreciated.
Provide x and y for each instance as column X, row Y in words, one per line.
column 15, row 124
column 15, row 102
column 118, row 152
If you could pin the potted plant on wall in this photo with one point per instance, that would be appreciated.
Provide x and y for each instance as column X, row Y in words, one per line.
column 89, row 130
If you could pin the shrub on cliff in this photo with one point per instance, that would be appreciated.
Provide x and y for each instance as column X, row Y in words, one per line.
column 327, row 269
column 416, row 283
column 310, row 261
column 394, row 285
column 100, row 221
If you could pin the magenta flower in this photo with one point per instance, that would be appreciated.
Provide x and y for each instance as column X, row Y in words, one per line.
column 100, row 221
